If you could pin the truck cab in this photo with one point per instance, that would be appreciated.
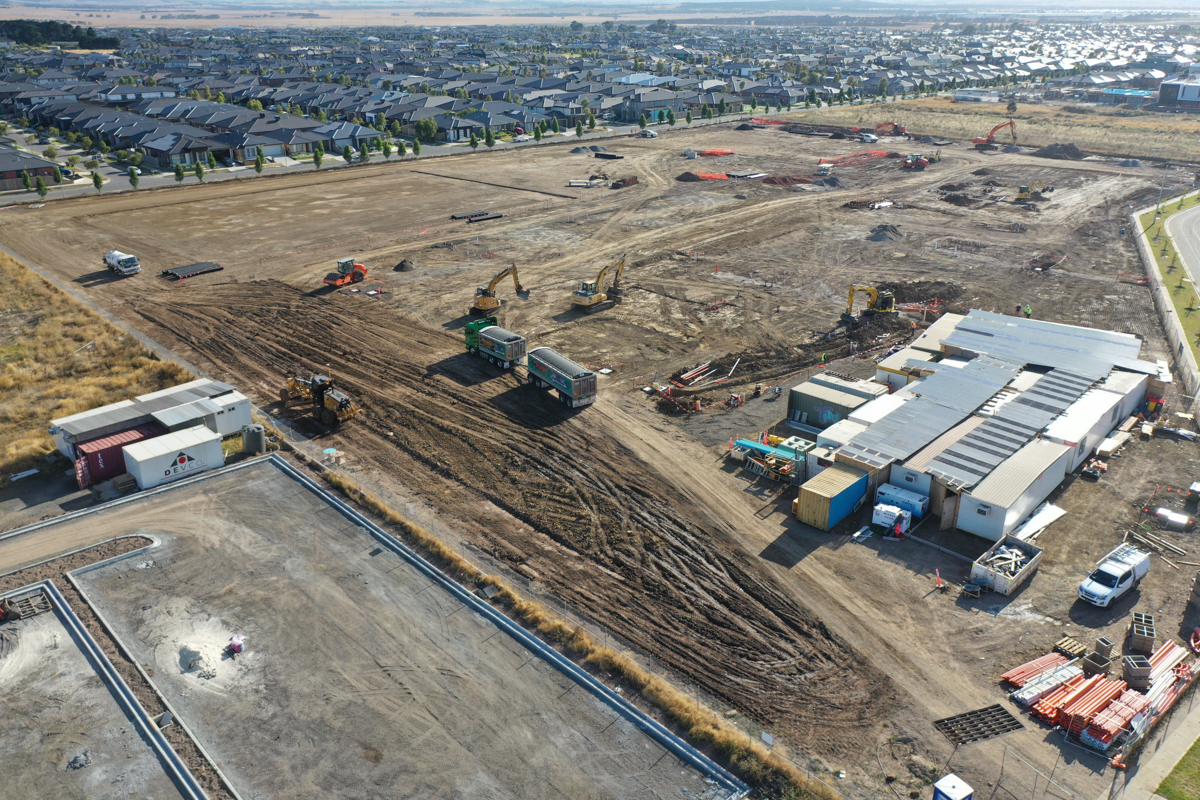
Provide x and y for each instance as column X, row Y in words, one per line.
column 122, row 263
column 1116, row 575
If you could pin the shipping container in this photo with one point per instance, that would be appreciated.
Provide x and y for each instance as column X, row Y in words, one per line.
column 102, row 459
column 173, row 456
column 912, row 502
column 999, row 580
column 576, row 384
column 827, row 499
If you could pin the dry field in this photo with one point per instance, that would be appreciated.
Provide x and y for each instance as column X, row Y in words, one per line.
column 58, row 358
column 1106, row 131
column 621, row 511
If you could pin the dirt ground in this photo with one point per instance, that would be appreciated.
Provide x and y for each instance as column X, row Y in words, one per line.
column 618, row 509
column 357, row 676
column 64, row 735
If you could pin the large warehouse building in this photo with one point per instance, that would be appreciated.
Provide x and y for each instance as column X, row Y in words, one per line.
column 994, row 421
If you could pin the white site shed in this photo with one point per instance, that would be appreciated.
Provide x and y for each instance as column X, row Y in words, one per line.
column 839, row 433
column 879, row 408
column 1013, row 490
column 173, row 456
column 1132, row 388
column 1085, row 424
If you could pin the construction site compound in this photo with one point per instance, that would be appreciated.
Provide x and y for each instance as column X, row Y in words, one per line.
column 837, row 651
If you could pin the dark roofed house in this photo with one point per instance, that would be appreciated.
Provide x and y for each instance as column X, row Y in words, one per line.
column 14, row 162
column 170, row 149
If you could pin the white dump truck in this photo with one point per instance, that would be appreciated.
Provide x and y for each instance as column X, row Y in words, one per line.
column 122, row 263
column 1115, row 575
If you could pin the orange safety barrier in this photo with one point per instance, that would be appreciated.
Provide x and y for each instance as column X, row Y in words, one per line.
column 712, row 176
column 717, row 151
column 854, row 158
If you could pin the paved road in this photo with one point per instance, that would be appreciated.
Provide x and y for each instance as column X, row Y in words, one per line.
column 117, row 179
column 1184, row 229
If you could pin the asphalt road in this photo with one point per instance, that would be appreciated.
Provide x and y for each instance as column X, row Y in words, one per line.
column 1184, row 228
column 116, row 178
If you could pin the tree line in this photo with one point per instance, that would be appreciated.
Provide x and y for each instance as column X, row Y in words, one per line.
column 37, row 32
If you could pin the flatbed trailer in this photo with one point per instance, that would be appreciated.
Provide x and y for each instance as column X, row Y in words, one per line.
column 191, row 270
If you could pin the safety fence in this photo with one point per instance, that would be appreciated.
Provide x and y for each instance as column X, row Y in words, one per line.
column 343, row 465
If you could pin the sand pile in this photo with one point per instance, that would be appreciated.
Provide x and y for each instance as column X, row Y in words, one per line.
column 1066, row 152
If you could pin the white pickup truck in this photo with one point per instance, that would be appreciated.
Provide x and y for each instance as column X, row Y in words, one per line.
column 122, row 263
column 1116, row 575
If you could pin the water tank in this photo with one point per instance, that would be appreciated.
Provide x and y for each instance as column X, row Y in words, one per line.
column 254, row 439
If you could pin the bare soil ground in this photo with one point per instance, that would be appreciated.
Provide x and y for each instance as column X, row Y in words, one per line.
column 358, row 673
column 618, row 509
column 64, row 735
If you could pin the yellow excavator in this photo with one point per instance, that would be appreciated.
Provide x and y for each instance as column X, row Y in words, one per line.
column 878, row 302
column 485, row 297
column 590, row 295
column 331, row 406
column 1025, row 193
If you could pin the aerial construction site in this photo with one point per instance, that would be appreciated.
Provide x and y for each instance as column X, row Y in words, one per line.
column 548, row 365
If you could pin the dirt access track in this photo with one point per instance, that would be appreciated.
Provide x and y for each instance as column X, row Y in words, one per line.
column 618, row 510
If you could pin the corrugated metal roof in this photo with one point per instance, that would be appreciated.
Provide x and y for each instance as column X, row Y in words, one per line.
column 187, row 413
column 1086, row 351
column 1074, row 423
column 143, row 407
column 1008, row 481
column 830, row 395
column 858, row 388
column 833, row 481
column 560, row 362
column 1122, row 382
column 905, row 357
column 972, row 459
column 922, row 459
column 931, row 339
column 944, row 399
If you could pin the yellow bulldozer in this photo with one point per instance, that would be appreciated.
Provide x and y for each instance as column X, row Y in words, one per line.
column 878, row 302
column 485, row 296
column 331, row 406
column 589, row 296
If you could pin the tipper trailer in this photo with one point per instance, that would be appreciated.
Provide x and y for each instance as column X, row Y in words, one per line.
column 488, row 340
column 575, row 384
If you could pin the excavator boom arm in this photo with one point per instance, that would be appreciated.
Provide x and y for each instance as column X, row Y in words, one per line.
column 618, row 266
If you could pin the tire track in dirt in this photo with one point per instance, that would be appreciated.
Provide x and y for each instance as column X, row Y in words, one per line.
column 641, row 557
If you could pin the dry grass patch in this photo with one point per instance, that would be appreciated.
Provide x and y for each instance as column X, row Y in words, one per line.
column 59, row 358
column 1099, row 130
column 750, row 759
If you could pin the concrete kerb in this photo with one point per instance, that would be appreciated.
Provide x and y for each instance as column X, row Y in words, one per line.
column 83, row 512
column 1181, row 351
column 177, row 718
column 685, row 752
column 187, row 784
column 623, row 707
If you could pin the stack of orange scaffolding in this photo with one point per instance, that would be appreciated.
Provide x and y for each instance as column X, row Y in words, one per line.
column 1021, row 675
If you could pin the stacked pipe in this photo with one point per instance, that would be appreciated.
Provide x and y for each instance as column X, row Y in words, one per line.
column 1023, row 674
column 1078, row 714
column 1047, row 708
column 1046, row 683
column 1114, row 719
column 1165, row 685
